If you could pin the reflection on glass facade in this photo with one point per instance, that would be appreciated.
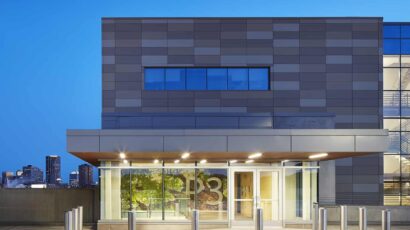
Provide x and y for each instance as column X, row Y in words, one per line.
column 206, row 78
column 300, row 193
column 396, row 102
column 168, row 193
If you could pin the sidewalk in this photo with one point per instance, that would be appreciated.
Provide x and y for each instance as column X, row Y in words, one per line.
column 330, row 227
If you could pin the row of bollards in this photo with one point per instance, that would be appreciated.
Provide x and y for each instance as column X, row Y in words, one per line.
column 73, row 220
column 320, row 218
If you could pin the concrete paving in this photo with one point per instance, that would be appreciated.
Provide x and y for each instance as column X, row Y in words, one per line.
column 331, row 227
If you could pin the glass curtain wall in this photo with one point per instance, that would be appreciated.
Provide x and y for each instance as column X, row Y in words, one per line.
column 300, row 192
column 168, row 193
column 396, row 103
column 163, row 193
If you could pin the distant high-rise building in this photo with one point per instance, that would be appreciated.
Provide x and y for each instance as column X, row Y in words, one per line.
column 5, row 176
column 19, row 173
column 85, row 175
column 53, row 169
column 32, row 175
column 74, row 179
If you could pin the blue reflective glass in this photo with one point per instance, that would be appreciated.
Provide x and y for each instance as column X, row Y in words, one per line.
column 217, row 79
column 196, row 78
column 175, row 79
column 258, row 78
column 154, row 79
column 405, row 31
column 405, row 46
column 391, row 31
column 391, row 46
column 237, row 78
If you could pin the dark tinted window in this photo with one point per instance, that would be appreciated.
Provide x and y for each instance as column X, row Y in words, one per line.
column 237, row 79
column 405, row 31
column 405, row 46
column 175, row 79
column 391, row 31
column 217, row 79
column 196, row 79
column 154, row 79
column 391, row 46
column 206, row 78
column 258, row 79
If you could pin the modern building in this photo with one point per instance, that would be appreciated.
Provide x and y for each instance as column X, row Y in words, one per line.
column 85, row 175
column 396, row 87
column 225, row 115
column 53, row 170
column 32, row 175
column 73, row 179
column 5, row 177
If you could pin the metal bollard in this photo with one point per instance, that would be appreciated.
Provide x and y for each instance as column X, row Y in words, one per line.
column 322, row 219
column 386, row 219
column 80, row 217
column 132, row 224
column 315, row 223
column 362, row 218
column 343, row 217
column 195, row 220
column 259, row 219
column 68, row 220
column 75, row 219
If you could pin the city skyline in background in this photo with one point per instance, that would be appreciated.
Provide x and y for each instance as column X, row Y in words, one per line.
column 50, row 177
column 52, row 81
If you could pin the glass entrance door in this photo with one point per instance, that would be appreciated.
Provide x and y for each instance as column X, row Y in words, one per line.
column 252, row 189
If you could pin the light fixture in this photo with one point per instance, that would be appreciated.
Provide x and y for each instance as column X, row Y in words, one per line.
column 176, row 161
column 156, row 161
column 203, row 161
column 185, row 155
column 233, row 161
column 319, row 155
column 284, row 161
column 249, row 161
column 125, row 161
column 122, row 155
column 255, row 155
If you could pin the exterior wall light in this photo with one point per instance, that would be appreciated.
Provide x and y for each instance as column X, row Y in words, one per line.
column 319, row 155
column 255, row 155
column 249, row 161
column 185, row 155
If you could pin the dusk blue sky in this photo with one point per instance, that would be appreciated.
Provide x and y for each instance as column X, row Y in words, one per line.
column 50, row 61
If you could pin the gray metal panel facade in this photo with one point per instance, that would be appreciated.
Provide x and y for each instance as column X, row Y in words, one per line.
column 317, row 65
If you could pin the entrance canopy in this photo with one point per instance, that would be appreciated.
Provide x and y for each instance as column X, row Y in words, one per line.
column 217, row 145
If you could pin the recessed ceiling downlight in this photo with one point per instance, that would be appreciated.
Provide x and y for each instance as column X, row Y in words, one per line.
column 319, row 155
column 255, row 155
column 185, row 155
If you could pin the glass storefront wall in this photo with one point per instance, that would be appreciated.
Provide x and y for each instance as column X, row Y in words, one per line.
column 167, row 193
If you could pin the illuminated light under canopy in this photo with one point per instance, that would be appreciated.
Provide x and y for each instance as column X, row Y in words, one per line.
column 122, row 155
column 203, row 161
column 176, row 161
column 156, row 161
column 249, row 161
column 319, row 155
column 185, row 155
column 125, row 161
column 233, row 161
column 255, row 155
